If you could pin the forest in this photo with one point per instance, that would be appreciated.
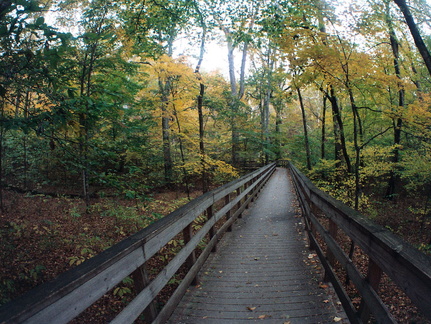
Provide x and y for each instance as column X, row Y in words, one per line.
column 113, row 114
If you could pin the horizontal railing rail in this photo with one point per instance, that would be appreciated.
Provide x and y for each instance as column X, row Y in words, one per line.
column 64, row 298
column 327, row 219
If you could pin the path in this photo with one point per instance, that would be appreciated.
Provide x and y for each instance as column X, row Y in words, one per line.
column 262, row 270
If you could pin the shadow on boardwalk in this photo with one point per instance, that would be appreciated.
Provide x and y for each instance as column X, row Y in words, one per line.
column 263, row 270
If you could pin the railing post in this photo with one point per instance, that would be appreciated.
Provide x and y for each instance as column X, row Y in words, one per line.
column 229, row 212
column 246, row 185
column 373, row 277
column 212, row 231
column 312, row 211
column 238, row 205
column 141, row 280
column 333, row 229
column 187, row 235
column 253, row 192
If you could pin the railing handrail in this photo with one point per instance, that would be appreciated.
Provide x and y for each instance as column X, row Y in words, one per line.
column 64, row 298
column 406, row 266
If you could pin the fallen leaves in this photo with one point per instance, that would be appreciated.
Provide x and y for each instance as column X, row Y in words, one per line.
column 337, row 319
column 251, row 308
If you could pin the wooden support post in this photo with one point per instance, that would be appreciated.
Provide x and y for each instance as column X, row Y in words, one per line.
column 229, row 212
column 373, row 277
column 312, row 230
column 212, row 231
column 238, row 205
column 253, row 192
column 333, row 229
column 246, row 196
column 141, row 280
column 187, row 235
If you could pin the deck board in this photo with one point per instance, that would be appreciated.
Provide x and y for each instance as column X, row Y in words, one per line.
column 261, row 271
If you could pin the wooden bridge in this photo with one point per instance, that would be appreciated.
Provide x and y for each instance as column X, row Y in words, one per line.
column 250, row 260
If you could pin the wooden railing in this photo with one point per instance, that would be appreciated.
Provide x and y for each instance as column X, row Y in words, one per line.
column 329, row 222
column 72, row 292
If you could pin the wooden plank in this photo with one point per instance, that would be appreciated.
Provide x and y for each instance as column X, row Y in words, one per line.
column 78, row 280
column 373, row 277
column 338, row 287
column 229, row 211
column 141, row 280
column 86, row 294
column 142, row 300
column 170, row 306
column 407, row 267
column 191, row 260
column 373, row 301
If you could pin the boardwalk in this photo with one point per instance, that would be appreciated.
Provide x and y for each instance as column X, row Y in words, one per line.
column 262, row 270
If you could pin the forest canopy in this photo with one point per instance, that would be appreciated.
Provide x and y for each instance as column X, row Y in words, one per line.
column 96, row 94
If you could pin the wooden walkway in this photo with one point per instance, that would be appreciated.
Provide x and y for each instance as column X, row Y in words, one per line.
column 262, row 270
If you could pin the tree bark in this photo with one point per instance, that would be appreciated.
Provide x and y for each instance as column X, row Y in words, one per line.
column 397, row 122
column 323, row 136
column 304, row 124
column 167, row 157
column 340, row 142
column 420, row 44
column 199, row 100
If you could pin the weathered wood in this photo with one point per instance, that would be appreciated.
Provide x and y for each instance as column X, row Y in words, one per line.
column 347, row 304
column 86, row 294
column 63, row 299
column 212, row 230
column 406, row 266
column 333, row 229
column 141, row 280
column 229, row 212
column 258, row 274
column 380, row 310
column 191, row 260
column 373, row 277
column 238, row 194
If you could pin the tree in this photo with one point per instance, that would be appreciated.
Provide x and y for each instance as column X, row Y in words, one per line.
column 420, row 44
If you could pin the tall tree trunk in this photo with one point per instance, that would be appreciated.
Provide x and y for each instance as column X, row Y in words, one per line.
column 234, row 100
column 397, row 122
column 323, row 136
column 2, row 134
column 340, row 143
column 356, row 134
column 167, row 157
column 278, row 122
column 236, row 95
column 420, row 44
column 199, row 100
column 304, row 124
column 266, row 103
column 183, row 158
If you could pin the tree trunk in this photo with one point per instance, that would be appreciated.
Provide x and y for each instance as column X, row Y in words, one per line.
column 183, row 158
column 233, row 101
column 199, row 100
column 397, row 122
column 167, row 157
column 278, row 122
column 323, row 137
column 304, row 124
column 336, row 113
column 2, row 134
column 420, row 44
column 356, row 145
column 266, row 104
